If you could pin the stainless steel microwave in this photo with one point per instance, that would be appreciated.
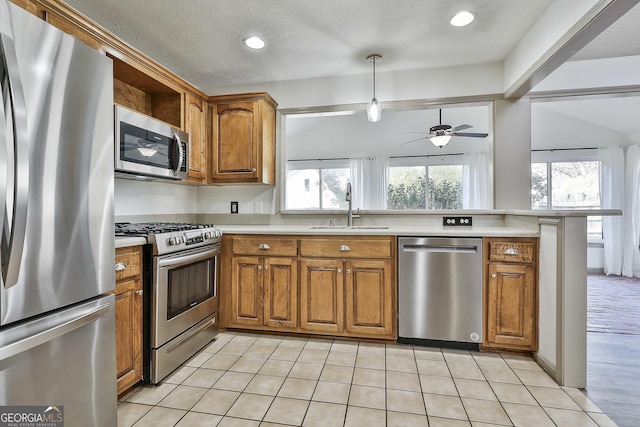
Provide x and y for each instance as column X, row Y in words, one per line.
column 147, row 146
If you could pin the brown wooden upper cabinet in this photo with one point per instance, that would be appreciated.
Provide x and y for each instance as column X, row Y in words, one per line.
column 243, row 138
column 195, row 125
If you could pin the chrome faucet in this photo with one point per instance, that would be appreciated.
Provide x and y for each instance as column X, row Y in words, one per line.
column 350, row 214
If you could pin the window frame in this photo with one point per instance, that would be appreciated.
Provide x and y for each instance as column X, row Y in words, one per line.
column 319, row 165
column 426, row 161
column 566, row 156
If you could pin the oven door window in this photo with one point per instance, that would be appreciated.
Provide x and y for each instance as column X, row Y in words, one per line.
column 190, row 285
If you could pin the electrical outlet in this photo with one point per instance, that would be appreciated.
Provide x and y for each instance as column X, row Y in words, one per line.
column 456, row 221
column 234, row 207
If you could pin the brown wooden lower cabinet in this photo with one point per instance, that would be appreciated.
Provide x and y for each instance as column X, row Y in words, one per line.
column 321, row 295
column 128, row 294
column 330, row 285
column 511, row 301
column 264, row 292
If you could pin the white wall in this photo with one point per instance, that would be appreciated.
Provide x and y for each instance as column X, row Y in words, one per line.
column 153, row 198
column 252, row 199
column 433, row 83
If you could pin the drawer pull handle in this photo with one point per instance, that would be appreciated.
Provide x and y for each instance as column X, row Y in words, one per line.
column 511, row 251
column 344, row 248
column 121, row 266
column 263, row 246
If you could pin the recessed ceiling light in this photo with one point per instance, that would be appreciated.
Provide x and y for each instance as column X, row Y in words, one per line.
column 254, row 42
column 462, row 18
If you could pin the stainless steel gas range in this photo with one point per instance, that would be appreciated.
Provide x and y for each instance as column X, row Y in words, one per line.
column 180, row 296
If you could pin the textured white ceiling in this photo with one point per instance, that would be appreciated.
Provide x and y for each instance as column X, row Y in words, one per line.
column 622, row 38
column 201, row 40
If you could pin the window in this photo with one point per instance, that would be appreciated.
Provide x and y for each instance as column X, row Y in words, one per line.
column 424, row 185
column 567, row 183
column 317, row 185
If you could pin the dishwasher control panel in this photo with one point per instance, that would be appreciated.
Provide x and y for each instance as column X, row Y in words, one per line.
column 457, row 221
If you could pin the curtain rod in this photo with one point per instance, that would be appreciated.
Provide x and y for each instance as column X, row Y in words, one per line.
column 566, row 149
column 426, row 155
column 318, row 160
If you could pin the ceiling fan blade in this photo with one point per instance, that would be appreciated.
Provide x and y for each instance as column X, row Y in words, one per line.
column 471, row 134
column 461, row 127
column 414, row 140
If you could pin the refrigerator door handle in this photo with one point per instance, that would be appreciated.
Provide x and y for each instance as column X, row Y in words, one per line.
column 52, row 333
column 15, row 217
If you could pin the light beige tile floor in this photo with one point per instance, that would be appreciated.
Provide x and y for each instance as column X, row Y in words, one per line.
column 244, row 379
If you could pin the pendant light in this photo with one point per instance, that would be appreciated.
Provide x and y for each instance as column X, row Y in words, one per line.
column 374, row 109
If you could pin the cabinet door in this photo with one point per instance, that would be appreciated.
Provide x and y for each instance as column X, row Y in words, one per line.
column 369, row 298
column 280, row 278
column 128, row 334
column 235, row 151
column 511, row 306
column 195, row 126
column 246, row 291
column 321, row 295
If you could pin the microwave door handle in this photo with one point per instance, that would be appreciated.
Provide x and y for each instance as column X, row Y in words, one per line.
column 178, row 161
column 13, row 234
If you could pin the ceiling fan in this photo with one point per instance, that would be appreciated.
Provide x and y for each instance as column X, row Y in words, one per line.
column 440, row 134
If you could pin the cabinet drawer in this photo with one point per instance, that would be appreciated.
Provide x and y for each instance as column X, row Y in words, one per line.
column 130, row 260
column 511, row 251
column 265, row 246
column 346, row 248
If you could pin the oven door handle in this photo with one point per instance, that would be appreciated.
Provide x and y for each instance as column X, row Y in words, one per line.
column 186, row 259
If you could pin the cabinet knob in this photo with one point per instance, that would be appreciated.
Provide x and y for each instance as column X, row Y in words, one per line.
column 120, row 266
column 263, row 246
column 266, row 267
column 139, row 292
column 493, row 276
column 253, row 169
column 348, row 270
column 511, row 251
column 339, row 270
column 344, row 248
column 259, row 267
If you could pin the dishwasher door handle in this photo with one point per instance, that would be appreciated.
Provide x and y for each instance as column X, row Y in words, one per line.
column 440, row 248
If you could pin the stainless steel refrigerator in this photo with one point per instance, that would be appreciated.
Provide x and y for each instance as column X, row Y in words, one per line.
column 57, row 329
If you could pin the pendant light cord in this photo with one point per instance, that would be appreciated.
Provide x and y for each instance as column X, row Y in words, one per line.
column 374, row 77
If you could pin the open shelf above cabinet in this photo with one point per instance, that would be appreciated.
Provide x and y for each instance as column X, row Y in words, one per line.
column 139, row 91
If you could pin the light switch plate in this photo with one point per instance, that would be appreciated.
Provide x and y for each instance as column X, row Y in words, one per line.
column 457, row 221
column 234, row 207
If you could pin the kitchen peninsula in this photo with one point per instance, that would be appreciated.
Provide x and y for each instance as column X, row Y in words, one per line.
column 561, row 267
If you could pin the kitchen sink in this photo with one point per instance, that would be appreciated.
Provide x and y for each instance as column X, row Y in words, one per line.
column 353, row 227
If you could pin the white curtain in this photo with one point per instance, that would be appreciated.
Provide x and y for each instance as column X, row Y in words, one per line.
column 370, row 181
column 474, row 181
column 612, row 197
column 631, row 258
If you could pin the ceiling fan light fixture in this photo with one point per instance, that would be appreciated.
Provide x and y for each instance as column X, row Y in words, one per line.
column 462, row 18
column 254, row 42
column 374, row 109
column 440, row 140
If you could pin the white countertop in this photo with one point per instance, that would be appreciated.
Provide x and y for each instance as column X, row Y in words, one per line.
column 123, row 242
column 436, row 231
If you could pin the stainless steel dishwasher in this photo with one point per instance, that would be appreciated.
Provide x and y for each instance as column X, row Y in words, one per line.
column 440, row 291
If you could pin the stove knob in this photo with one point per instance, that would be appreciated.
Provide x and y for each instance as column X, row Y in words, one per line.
column 172, row 241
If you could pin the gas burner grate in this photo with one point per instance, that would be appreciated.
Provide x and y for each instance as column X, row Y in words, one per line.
column 147, row 228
